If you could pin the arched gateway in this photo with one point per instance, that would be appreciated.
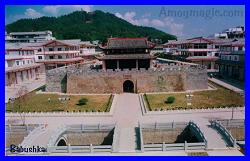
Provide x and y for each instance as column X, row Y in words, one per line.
column 62, row 142
column 128, row 86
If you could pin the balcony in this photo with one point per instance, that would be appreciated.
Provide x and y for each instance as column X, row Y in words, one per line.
column 61, row 61
column 199, row 50
column 58, row 52
column 18, row 57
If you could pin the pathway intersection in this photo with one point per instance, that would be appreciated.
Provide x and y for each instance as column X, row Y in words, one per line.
column 127, row 115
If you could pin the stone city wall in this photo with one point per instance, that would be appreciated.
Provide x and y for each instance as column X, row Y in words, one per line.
column 80, row 79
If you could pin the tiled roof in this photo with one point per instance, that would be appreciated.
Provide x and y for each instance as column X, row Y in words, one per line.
column 126, row 56
column 22, row 67
column 202, row 58
column 12, row 46
column 120, row 43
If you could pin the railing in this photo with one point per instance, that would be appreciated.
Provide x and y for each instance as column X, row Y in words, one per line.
column 171, row 125
column 20, row 128
column 116, row 140
column 200, row 134
column 174, row 146
column 52, row 148
column 225, row 132
column 80, row 149
column 96, row 127
column 59, row 52
column 232, row 123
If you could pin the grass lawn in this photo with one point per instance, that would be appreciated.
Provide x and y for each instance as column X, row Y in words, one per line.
column 39, row 103
column 197, row 153
column 214, row 98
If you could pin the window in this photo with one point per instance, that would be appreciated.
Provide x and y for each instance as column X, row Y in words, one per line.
column 51, row 49
column 59, row 57
column 40, row 57
column 39, row 50
column 240, row 48
column 51, row 57
column 59, row 49
column 17, row 62
column 23, row 62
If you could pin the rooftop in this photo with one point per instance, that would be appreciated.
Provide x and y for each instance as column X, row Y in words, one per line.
column 71, row 42
column 202, row 58
column 126, row 56
column 121, row 43
column 30, row 33
column 21, row 68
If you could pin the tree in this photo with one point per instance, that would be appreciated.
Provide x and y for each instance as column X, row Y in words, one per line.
column 170, row 99
column 21, row 101
column 82, row 101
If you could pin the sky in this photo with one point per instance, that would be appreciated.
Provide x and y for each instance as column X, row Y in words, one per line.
column 183, row 21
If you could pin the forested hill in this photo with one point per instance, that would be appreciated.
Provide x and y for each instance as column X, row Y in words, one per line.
column 95, row 25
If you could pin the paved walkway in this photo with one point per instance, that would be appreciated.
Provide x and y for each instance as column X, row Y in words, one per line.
column 214, row 139
column 11, row 91
column 127, row 114
column 226, row 85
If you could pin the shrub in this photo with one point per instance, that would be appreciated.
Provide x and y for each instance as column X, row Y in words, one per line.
column 170, row 99
column 82, row 101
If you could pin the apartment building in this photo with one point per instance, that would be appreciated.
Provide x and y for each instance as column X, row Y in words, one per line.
column 20, row 65
column 58, row 53
column 197, row 50
column 28, row 37
column 232, row 59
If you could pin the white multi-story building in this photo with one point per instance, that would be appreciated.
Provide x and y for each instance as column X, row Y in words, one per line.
column 232, row 59
column 58, row 53
column 20, row 65
column 87, row 49
column 29, row 37
column 231, row 33
column 197, row 50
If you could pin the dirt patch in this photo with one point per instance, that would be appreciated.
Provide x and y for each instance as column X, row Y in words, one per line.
column 237, row 132
column 15, row 138
column 169, row 136
column 87, row 138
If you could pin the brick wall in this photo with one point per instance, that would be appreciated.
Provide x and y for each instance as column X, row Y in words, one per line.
column 80, row 79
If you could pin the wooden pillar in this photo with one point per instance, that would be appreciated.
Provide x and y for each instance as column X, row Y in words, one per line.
column 16, row 77
column 117, row 64
column 103, row 65
column 150, row 63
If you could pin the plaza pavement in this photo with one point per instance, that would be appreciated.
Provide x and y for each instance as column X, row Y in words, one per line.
column 127, row 114
column 227, row 85
column 11, row 91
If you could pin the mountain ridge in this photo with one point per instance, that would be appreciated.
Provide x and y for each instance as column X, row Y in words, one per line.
column 96, row 25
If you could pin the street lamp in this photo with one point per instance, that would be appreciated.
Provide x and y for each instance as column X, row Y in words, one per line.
column 189, row 98
column 64, row 100
column 232, row 117
column 12, row 100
